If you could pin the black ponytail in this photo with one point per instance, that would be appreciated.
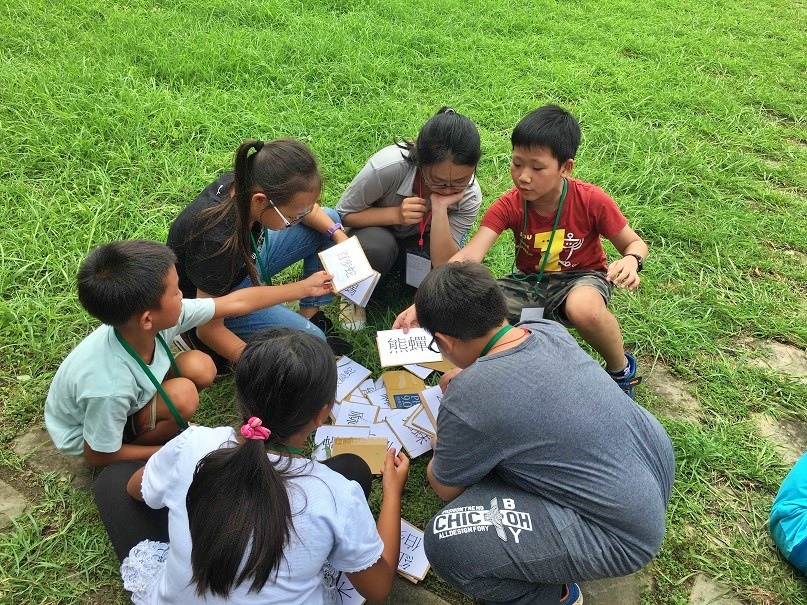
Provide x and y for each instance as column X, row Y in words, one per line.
column 237, row 497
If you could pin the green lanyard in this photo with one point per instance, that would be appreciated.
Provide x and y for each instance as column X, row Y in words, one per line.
column 171, row 408
column 496, row 337
column 288, row 449
column 551, row 238
column 265, row 277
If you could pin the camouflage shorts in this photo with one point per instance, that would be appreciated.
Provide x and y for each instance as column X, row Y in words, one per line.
column 520, row 291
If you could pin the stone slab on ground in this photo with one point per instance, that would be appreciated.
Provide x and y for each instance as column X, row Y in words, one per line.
column 789, row 436
column 679, row 402
column 407, row 593
column 610, row 591
column 706, row 591
column 38, row 451
column 12, row 504
column 782, row 358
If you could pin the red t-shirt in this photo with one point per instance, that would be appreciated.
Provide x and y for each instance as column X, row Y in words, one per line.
column 588, row 213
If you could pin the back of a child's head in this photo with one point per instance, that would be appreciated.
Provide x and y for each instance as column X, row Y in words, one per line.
column 121, row 279
column 461, row 300
column 239, row 512
column 279, row 168
column 550, row 127
column 447, row 135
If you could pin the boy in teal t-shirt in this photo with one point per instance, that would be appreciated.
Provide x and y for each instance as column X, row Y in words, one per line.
column 120, row 394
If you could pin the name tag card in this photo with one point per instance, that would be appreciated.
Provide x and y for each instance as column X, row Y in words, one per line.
column 417, row 268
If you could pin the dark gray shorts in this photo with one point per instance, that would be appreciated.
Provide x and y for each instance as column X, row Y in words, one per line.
column 520, row 291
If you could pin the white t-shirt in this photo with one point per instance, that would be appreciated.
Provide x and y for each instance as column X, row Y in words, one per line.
column 99, row 385
column 332, row 522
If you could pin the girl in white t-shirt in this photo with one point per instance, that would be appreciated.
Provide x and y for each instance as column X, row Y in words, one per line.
column 251, row 519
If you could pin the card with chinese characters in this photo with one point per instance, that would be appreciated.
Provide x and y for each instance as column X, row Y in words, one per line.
column 356, row 414
column 415, row 442
column 349, row 375
column 397, row 349
column 347, row 263
column 412, row 561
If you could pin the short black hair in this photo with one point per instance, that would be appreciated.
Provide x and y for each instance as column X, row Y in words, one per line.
column 121, row 279
column 549, row 126
column 461, row 300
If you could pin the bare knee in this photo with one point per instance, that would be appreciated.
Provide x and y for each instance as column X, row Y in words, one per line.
column 184, row 395
column 586, row 310
column 198, row 367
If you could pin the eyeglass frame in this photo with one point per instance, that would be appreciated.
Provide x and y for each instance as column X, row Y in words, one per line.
column 447, row 187
column 433, row 346
column 286, row 222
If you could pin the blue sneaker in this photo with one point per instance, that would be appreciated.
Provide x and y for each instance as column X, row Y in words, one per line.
column 628, row 380
column 571, row 595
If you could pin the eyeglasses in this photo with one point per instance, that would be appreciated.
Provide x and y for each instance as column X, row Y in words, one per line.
column 290, row 223
column 448, row 187
column 432, row 346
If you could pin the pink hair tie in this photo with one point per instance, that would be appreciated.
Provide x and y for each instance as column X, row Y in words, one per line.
column 253, row 429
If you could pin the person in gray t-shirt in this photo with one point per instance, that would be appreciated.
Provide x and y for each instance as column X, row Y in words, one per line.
column 553, row 474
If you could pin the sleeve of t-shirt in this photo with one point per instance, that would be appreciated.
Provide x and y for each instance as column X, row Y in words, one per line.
column 159, row 476
column 195, row 311
column 463, row 219
column 609, row 219
column 105, row 419
column 463, row 455
column 357, row 544
column 369, row 186
column 500, row 215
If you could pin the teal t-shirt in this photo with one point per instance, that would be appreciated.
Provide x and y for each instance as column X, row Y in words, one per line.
column 788, row 520
column 99, row 385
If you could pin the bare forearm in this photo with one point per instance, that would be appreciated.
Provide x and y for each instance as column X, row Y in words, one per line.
column 247, row 300
column 219, row 338
column 389, row 528
column 126, row 452
column 373, row 217
column 446, row 492
column 442, row 246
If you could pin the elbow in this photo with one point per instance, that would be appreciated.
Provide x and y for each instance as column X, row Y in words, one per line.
column 95, row 459
column 347, row 219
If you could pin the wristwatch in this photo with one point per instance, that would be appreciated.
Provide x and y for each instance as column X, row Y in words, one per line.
column 639, row 261
column 334, row 228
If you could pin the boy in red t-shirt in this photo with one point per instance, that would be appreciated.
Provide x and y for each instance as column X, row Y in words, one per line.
column 559, row 270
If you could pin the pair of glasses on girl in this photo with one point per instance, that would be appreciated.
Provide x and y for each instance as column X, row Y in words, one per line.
column 286, row 222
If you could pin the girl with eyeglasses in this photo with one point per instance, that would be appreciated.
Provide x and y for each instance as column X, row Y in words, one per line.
column 246, row 227
column 417, row 196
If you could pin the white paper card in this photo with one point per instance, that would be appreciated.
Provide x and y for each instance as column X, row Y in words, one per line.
column 419, row 371
column 384, row 413
column 531, row 313
column 412, row 560
column 325, row 435
column 431, row 402
column 356, row 414
column 397, row 349
column 416, row 442
column 379, row 398
column 361, row 292
column 421, row 421
column 349, row 375
column 347, row 263
column 339, row 585
column 368, row 386
column 417, row 268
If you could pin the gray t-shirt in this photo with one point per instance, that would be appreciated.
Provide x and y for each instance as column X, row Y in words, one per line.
column 546, row 418
column 387, row 178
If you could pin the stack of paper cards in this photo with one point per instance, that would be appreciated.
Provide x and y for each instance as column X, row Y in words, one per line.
column 353, row 277
column 412, row 562
column 397, row 349
column 325, row 435
column 432, row 397
column 415, row 441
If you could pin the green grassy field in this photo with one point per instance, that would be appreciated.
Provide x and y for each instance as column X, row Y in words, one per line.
column 113, row 115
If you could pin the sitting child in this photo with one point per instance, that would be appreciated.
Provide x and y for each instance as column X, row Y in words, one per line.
column 251, row 520
column 559, row 269
column 120, row 394
column 553, row 474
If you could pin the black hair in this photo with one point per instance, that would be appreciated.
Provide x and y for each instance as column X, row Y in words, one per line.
column 549, row 126
column 280, row 169
column 121, row 279
column 461, row 300
column 447, row 135
column 238, row 498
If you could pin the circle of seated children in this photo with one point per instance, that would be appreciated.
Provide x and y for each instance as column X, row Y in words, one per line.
column 247, row 226
column 419, row 197
column 250, row 519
